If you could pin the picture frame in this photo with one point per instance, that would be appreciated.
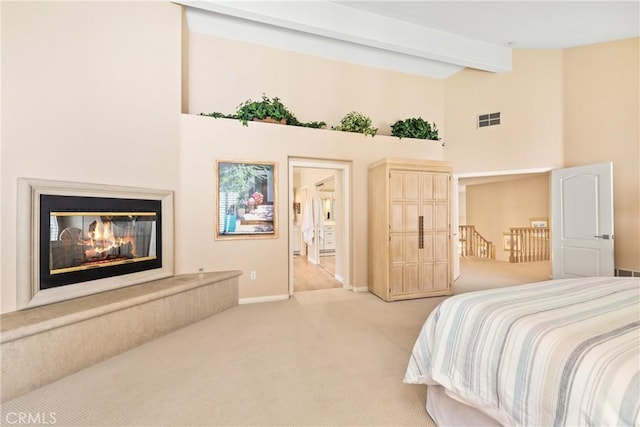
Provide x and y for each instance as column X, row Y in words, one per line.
column 510, row 242
column 541, row 222
column 246, row 199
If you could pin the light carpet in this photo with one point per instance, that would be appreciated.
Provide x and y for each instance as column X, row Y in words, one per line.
column 321, row 358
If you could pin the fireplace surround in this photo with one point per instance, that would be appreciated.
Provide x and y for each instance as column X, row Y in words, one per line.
column 77, row 239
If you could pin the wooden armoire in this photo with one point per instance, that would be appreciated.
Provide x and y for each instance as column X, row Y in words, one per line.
column 410, row 240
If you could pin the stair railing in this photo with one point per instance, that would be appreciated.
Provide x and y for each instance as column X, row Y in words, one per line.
column 529, row 244
column 473, row 243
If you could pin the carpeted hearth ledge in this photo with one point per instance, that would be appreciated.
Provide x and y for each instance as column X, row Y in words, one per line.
column 42, row 344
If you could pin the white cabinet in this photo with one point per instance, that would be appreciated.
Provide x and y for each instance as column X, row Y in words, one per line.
column 409, row 229
column 329, row 242
column 296, row 237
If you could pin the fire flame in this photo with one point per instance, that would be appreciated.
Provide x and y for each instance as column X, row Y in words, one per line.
column 102, row 240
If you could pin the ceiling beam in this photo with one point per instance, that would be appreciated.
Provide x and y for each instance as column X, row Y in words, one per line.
column 333, row 25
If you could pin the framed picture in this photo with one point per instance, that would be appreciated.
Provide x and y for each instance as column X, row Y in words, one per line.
column 246, row 199
column 510, row 242
column 539, row 222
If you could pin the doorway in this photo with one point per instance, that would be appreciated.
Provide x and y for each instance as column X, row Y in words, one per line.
column 498, row 216
column 319, row 224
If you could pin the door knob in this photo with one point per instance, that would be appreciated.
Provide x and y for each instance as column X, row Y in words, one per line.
column 604, row 237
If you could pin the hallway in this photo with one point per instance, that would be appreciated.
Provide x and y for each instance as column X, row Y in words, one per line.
column 310, row 277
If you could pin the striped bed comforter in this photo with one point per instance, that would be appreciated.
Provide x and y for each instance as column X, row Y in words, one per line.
column 562, row 352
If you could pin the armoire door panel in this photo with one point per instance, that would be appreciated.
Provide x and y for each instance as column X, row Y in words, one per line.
column 441, row 217
column 397, row 217
column 429, row 214
column 428, row 247
column 427, row 186
column 396, row 187
column 411, row 278
column 411, row 214
column 396, row 274
column 396, row 249
column 441, row 247
column 411, row 249
column 442, row 187
column 441, row 275
column 426, row 277
column 411, row 186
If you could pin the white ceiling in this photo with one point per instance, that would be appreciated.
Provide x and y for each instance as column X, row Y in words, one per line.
column 528, row 24
column 430, row 38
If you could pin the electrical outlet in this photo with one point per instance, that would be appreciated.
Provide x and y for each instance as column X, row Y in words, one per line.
column 253, row 275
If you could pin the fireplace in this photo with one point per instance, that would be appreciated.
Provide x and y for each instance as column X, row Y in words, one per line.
column 89, row 238
column 86, row 239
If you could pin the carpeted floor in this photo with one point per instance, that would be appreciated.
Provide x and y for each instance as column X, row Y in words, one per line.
column 322, row 358
column 478, row 273
column 327, row 357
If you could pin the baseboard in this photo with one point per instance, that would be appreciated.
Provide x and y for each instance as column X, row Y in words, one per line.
column 360, row 289
column 269, row 298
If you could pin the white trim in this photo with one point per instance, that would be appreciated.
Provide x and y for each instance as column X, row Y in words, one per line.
column 345, row 167
column 269, row 298
column 360, row 289
column 504, row 172
column 339, row 278
column 459, row 176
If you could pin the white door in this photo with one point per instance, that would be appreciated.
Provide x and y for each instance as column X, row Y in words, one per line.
column 582, row 221
column 455, row 226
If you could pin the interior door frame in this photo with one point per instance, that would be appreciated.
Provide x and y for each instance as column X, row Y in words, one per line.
column 345, row 167
column 455, row 213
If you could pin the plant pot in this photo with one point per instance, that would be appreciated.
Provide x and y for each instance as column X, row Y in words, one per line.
column 270, row 120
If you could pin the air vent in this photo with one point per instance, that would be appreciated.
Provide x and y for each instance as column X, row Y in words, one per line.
column 490, row 119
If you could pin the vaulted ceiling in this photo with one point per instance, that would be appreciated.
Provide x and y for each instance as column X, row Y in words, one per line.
column 430, row 38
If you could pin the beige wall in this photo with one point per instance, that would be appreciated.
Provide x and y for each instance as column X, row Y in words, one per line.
column 602, row 123
column 560, row 108
column 90, row 93
column 225, row 73
column 495, row 207
column 530, row 100
column 204, row 139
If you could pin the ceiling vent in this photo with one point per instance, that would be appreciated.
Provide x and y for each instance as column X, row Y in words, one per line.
column 491, row 119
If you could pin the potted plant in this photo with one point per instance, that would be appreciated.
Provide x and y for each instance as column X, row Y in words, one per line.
column 356, row 122
column 270, row 110
column 415, row 128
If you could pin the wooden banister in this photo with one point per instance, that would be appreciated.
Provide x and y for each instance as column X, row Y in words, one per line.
column 529, row 244
column 473, row 243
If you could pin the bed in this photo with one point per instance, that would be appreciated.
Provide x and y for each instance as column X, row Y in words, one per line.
column 562, row 352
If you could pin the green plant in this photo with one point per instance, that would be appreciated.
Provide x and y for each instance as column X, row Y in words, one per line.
column 267, row 108
column 356, row 122
column 415, row 128
column 217, row 115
